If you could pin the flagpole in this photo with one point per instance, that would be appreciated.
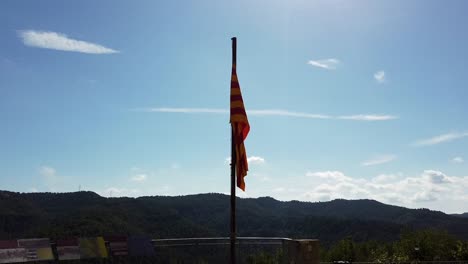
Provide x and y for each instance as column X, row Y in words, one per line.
column 233, row 173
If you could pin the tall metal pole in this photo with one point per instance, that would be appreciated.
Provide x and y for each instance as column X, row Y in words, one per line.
column 233, row 173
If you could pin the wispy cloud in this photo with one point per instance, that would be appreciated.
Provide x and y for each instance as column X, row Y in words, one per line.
column 47, row 171
column 328, row 64
column 379, row 160
column 50, row 177
column 185, row 110
column 59, row 41
column 270, row 112
column 369, row 117
column 379, row 76
column 441, row 139
column 139, row 177
column 458, row 160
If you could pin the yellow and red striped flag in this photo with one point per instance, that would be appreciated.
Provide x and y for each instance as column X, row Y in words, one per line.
column 240, row 129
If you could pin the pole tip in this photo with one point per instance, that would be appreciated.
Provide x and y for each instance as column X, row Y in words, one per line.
column 233, row 38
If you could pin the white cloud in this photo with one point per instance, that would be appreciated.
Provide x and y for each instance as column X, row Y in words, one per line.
column 185, row 110
column 50, row 177
column 47, row 171
column 386, row 178
column 379, row 76
column 58, row 41
column 441, row 139
column 255, row 160
column 328, row 64
column 279, row 190
column 431, row 187
column 424, row 196
column 369, row 117
column 115, row 191
column 270, row 112
column 435, row 177
column 458, row 160
column 266, row 112
column 334, row 175
column 379, row 160
column 139, row 177
column 164, row 190
column 286, row 113
column 119, row 192
column 318, row 196
column 252, row 160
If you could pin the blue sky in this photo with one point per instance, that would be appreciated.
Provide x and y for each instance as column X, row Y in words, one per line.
column 346, row 99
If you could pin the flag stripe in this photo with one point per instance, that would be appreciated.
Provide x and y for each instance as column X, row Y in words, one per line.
column 236, row 104
column 235, row 91
column 237, row 97
column 240, row 128
column 238, row 111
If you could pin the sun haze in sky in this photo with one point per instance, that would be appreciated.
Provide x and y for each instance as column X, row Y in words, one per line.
column 362, row 99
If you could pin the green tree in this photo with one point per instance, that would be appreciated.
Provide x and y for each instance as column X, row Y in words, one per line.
column 426, row 245
column 343, row 250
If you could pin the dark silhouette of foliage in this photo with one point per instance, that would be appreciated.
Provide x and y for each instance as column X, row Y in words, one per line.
column 59, row 215
column 414, row 247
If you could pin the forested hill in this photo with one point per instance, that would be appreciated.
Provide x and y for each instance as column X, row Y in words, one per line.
column 58, row 215
column 465, row 215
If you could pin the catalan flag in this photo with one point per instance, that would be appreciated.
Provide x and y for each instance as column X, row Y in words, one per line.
column 240, row 129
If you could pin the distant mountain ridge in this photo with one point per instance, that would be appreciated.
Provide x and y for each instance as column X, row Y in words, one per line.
column 465, row 215
column 58, row 215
